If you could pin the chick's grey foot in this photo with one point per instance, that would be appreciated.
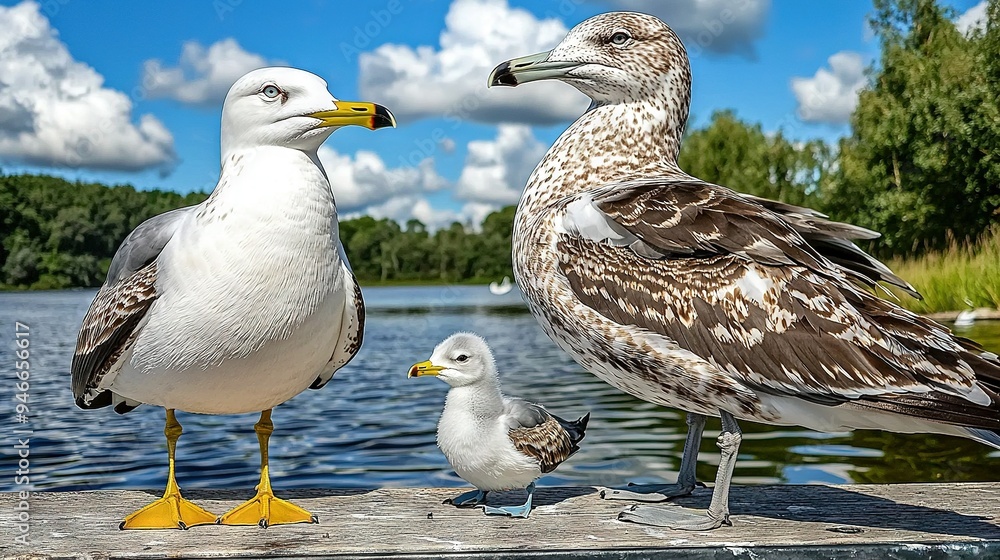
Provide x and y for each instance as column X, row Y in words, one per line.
column 673, row 517
column 522, row 511
column 469, row 499
column 511, row 511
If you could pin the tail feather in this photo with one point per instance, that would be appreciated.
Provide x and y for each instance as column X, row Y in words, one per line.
column 576, row 428
column 988, row 437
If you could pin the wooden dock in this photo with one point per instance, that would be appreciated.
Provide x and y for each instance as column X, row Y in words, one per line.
column 925, row 521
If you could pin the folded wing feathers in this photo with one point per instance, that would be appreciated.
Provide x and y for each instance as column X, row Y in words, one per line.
column 108, row 330
column 814, row 334
column 540, row 435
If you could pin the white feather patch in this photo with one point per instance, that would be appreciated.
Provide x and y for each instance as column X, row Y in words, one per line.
column 583, row 219
column 754, row 286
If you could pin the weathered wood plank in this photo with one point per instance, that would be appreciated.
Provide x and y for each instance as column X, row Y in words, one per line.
column 908, row 520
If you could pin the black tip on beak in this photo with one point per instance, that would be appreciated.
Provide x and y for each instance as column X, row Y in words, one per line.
column 383, row 118
column 502, row 76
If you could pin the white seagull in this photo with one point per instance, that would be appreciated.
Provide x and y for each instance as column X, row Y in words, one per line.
column 694, row 296
column 241, row 302
column 492, row 441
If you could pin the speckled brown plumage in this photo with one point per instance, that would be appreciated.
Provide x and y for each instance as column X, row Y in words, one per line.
column 108, row 330
column 695, row 296
column 550, row 442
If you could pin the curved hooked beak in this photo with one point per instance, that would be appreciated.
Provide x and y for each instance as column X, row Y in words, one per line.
column 369, row 115
column 424, row 368
column 530, row 68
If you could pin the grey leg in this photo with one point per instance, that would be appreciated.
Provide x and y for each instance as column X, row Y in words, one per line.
column 718, row 510
column 469, row 499
column 686, row 478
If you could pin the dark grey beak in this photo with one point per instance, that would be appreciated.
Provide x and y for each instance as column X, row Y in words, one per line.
column 530, row 69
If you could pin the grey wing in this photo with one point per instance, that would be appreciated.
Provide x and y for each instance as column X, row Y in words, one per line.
column 145, row 243
column 523, row 414
column 538, row 434
column 352, row 334
column 739, row 286
column 110, row 325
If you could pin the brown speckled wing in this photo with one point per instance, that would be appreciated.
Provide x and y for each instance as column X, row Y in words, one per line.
column 548, row 443
column 108, row 330
column 735, row 284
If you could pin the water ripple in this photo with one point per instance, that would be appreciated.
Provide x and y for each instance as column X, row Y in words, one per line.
column 371, row 426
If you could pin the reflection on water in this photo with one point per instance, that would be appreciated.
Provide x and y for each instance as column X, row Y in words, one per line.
column 371, row 426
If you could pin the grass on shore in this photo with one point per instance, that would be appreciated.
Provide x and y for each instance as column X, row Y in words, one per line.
column 962, row 276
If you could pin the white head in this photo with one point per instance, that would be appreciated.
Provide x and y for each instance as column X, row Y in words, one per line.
column 290, row 108
column 461, row 359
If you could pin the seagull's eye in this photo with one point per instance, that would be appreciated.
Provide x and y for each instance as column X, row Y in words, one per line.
column 462, row 358
column 271, row 91
column 620, row 39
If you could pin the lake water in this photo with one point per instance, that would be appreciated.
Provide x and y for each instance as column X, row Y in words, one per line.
column 371, row 426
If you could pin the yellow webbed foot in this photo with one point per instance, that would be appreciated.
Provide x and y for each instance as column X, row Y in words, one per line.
column 265, row 510
column 169, row 512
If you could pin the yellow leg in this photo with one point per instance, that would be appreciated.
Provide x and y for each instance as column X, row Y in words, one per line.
column 171, row 511
column 264, row 509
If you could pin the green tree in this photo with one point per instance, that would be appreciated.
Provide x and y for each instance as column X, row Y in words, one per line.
column 741, row 156
column 58, row 234
column 923, row 161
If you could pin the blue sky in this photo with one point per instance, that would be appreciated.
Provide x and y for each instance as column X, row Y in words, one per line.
column 142, row 87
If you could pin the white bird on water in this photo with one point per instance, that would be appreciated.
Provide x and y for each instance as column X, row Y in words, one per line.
column 694, row 296
column 502, row 288
column 492, row 441
column 241, row 302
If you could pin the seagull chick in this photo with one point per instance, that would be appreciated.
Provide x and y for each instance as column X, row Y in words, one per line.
column 492, row 441
column 692, row 295
column 241, row 302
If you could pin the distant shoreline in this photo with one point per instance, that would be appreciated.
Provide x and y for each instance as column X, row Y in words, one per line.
column 981, row 313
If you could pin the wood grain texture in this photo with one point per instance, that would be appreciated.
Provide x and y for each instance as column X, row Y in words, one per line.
column 911, row 520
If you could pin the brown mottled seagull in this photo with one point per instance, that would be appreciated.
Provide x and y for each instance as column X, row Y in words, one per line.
column 694, row 296
column 493, row 441
column 241, row 302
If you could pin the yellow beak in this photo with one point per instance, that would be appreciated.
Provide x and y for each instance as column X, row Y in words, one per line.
column 424, row 368
column 369, row 115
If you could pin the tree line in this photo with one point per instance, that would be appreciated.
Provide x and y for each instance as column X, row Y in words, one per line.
column 60, row 234
column 921, row 165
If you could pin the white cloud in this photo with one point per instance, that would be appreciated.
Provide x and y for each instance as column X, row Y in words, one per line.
column 447, row 145
column 494, row 175
column 364, row 180
column 830, row 96
column 56, row 111
column 973, row 18
column 715, row 26
column 496, row 170
column 204, row 75
column 450, row 80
